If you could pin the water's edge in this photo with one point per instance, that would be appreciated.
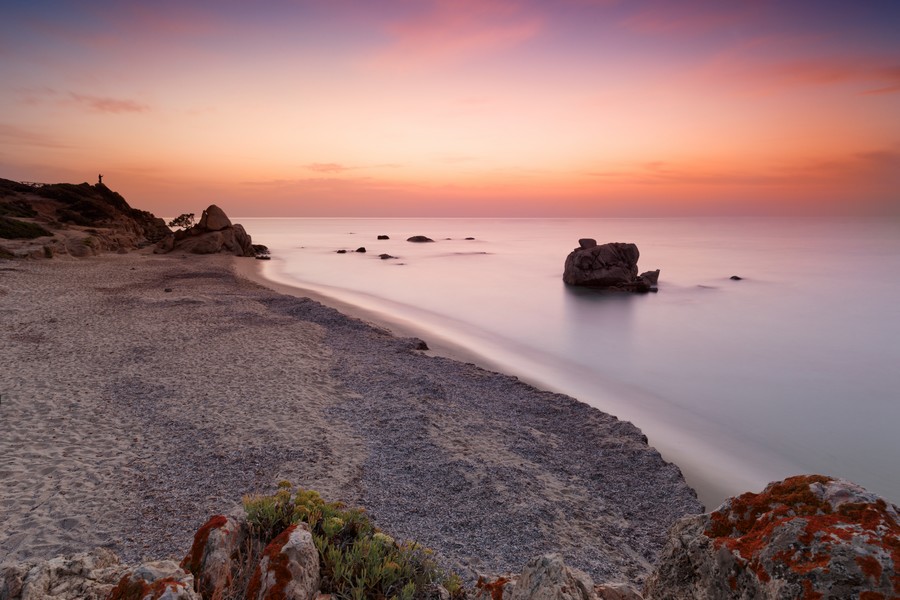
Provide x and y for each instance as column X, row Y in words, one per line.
column 709, row 487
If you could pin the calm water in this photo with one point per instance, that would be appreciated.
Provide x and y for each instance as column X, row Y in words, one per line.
column 794, row 369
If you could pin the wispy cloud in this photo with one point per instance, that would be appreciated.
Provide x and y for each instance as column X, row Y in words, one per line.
column 18, row 136
column 890, row 82
column 327, row 167
column 108, row 105
column 776, row 64
column 876, row 164
column 684, row 18
column 456, row 30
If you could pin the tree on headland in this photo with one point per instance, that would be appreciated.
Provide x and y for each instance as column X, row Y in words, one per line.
column 184, row 221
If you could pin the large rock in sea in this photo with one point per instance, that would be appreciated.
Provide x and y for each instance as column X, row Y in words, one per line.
column 212, row 235
column 610, row 266
column 808, row 536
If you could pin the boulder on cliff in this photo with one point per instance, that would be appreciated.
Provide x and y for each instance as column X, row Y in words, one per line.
column 808, row 536
column 610, row 266
column 213, row 234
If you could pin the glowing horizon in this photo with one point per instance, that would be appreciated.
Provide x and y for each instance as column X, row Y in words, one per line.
column 460, row 107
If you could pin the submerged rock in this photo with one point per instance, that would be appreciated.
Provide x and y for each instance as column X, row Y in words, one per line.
column 419, row 239
column 608, row 266
column 809, row 536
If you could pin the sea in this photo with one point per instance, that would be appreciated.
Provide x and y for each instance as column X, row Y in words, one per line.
column 794, row 368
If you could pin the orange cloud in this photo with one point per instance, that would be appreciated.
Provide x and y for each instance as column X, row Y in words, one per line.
column 772, row 64
column 108, row 105
column 891, row 80
column 17, row 136
column 455, row 30
column 881, row 164
column 327, row 167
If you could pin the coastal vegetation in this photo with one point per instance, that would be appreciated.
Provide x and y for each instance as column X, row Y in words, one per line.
column 356, row 559
column 14, row 229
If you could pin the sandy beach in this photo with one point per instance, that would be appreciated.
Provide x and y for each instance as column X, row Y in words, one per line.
column 141, row 394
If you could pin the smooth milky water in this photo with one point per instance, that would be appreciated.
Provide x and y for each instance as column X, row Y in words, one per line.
column 794, row 369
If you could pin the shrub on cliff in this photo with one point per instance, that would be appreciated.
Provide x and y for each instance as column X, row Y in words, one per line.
column 13, row 229
column 357, row 560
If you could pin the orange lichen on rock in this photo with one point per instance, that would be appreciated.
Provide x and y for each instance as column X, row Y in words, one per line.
column 128, row 589
column 494, row 588
column 274, row 562
column 748, row 525
column 194, row 559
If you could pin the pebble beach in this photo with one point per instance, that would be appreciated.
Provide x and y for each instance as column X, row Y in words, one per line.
column 141, row 394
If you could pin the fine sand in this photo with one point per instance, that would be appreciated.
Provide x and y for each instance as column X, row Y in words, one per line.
column 141, row 394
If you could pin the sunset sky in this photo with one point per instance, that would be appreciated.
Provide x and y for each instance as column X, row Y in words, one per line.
column 459, row 107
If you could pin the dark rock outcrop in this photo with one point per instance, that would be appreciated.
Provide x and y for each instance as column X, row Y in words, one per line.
column 361, row 250
column 808, row 536
column 213, row 234
column 610, row 266
column 42, row 221
column 419, row 239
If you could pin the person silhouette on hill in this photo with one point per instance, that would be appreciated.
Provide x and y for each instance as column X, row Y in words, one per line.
column 99, row 179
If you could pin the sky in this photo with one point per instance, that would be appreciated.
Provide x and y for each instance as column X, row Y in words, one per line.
column 459, row 107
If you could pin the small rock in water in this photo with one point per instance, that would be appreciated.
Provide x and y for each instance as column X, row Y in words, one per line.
column 736, row 278
column 385, row 256
column 383, row 237
column 342, row 251
column 470, row 238
column 419, row 239
column 361, row 249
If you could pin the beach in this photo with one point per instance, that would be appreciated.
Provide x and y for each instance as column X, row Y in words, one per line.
column 142, row 394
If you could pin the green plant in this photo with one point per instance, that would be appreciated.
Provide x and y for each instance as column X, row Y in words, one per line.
column 12, row 229
column 357, row 561
column 184, row 221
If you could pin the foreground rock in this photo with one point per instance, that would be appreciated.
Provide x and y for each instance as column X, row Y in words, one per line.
column 805, row 537
column 159, row 580
column 89, row 575
column 289, row 568
column 548, row 578
column 610, row 266
column 43, row 221
column 212, row 235
column 216, row 556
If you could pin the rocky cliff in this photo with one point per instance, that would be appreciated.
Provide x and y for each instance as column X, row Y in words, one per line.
column 40, row 221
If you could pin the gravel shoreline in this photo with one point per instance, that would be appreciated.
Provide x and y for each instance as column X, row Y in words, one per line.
column 130, row 414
